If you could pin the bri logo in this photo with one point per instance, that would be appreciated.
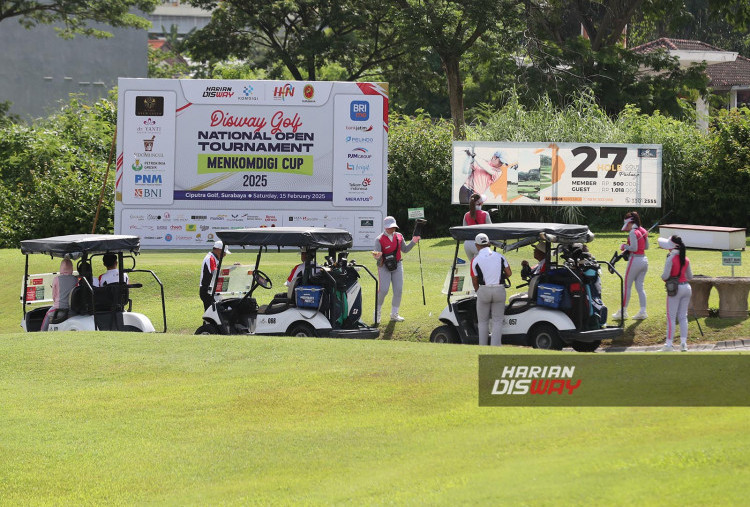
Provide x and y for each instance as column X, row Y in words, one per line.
column 359, row 110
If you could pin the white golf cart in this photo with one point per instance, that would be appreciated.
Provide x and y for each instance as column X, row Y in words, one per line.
column 90, row 308
column 326, row 300
column 563, row 306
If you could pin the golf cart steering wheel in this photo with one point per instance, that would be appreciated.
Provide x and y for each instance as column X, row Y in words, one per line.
column 262, row 279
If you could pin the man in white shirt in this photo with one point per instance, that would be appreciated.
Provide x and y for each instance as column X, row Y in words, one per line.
column 489, row 270
column 112, row 275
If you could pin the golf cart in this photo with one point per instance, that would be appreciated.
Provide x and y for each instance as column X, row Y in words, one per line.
column 326, row 300
column 91, row 308
column 563, row 305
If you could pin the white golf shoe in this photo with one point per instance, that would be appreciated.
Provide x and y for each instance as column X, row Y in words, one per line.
column 617, row 315
column 397, row 318
column 640, row 315
column 667, row 348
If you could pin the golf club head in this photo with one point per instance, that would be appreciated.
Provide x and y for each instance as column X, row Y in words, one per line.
column 418, row 226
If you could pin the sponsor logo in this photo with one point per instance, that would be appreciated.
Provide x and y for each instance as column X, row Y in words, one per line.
column 147, row 105
column 218, row 92
column 282, row 92
column 148, row 144
column 168, row 237
column 199, row 217
column 359, row 110
column 167, row 216
column 360, row 153
column 360, row 187
column 360, row 128
column 175, row 227
column 367, row 223
column 204, row 228
column 148, row 179
column 192, row 228
column 308, row 92
column 153, row 217
column 357, row 168
column 366, row 182
column 137, row 166
column 148, row 193
column 149, row 127
column 359, row 140
column 248, row 93
column 359, row 199
column 162, row 228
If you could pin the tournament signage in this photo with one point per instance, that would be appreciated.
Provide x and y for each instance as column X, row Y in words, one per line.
column 195, row 156
column 558, row 174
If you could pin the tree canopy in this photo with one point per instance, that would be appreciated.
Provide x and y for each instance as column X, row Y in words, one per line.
column 76, row 16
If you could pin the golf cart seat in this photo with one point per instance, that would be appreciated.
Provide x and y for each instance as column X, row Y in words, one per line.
column 277, row 305
column 59, row 315
column 113, row 297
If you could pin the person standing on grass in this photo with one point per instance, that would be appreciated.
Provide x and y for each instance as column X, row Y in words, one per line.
column 208, row 271
column 677, row 265
column 637, row 245
column 489, row 270
column 475, row 216
column 388, row 249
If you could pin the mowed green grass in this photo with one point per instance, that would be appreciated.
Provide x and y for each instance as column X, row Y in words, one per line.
column 179, row 271
column 116, row 418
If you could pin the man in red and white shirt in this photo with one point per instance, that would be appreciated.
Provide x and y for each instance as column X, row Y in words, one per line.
column 208, row 272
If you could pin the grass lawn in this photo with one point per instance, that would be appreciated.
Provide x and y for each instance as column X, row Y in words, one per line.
column 179, row 271
column 118, row 418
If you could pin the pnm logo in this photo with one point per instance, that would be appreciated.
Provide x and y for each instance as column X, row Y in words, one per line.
column 359, row 110
column 282, row 92
column 148, row 179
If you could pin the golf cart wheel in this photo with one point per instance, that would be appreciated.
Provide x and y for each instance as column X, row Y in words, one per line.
column 586, row 346
column 545, row 336
column 301, row 329
column 444, row 334
column 207, row 329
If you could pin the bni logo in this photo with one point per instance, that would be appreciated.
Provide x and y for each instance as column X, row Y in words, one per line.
column 359, row 110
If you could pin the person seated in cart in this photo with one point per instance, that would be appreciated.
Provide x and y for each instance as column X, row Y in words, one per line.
column 62, row 285
column 295, row 276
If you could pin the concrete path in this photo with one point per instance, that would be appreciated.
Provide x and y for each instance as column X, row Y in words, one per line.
column 700, row 347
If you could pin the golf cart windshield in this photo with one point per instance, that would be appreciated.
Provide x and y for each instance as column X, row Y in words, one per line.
column 75, row 245
column 558, row 233
column 309, row 237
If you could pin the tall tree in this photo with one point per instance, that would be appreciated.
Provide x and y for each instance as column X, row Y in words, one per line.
column 304, row 35
column 76, row 15
column 450, row 28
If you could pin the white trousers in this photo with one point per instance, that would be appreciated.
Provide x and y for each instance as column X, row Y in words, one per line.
column 635, row 272
column 677, row 310
column 490, row 306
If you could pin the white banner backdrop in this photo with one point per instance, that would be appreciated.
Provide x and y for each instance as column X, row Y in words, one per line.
column 194, row 156
column 558, row 174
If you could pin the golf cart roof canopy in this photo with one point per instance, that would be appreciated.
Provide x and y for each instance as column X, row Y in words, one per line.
column 309, row 237
column 558, row 233
column 75, row 245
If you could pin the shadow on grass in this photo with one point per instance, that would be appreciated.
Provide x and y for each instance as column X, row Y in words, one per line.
column 387, row 333
column 628, row 337
column 718, row 323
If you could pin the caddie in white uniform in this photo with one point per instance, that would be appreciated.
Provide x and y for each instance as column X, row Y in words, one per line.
column 489, row 270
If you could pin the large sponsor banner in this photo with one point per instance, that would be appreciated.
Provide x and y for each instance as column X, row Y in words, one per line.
column 558, row 174
column 194, row 156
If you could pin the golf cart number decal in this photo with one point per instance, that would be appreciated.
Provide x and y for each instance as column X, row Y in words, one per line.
column 254, row 180
column 272, row 320
column 512, row 322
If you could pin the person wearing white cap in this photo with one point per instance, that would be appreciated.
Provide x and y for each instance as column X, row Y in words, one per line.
column 637, row 245
column 388, row 249
column 677, row 265
column 208, row 270
column 489, row 270
column 475, row 216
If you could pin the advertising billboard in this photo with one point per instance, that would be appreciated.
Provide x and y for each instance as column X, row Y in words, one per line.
column 195, row 156
column 558, row 174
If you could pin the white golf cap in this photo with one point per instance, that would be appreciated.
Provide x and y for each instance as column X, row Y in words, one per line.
column 482, row 239
column 219, row 245
column 625, row 223
column 666, row 243
column 389, row 222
